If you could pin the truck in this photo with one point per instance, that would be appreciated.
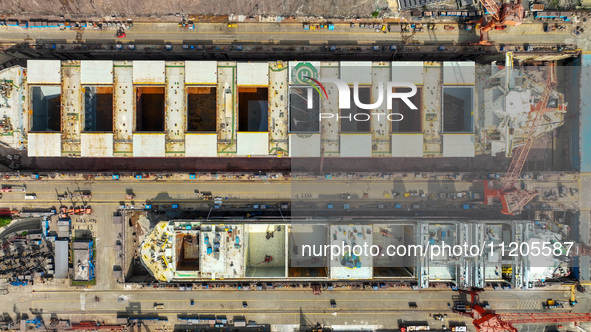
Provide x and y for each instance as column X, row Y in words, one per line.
column 18, row 188
column 552, row 304
column 408, row 328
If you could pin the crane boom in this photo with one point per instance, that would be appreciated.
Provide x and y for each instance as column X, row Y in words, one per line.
column 491, row 7
column 508, row 14
column 486, row 320
column 512, row 199
column 523, row 151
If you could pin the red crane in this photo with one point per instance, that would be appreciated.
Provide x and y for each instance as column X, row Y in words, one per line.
column 513, row 199
column 508, row 14
column 484, row 320
column 488, row 321
column 545, row 317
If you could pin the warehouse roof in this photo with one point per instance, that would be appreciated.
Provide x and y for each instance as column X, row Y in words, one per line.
column 81, row 260
column 61, row 259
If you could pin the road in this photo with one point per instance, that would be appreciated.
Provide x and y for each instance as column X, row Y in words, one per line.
column 312, row 188
column 219, row 33
column 382, row 308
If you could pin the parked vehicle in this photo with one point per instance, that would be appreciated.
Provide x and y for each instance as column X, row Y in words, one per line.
column 552, row 304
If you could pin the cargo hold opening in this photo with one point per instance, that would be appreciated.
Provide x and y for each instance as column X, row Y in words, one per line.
column 411, row 123
column 150, row 109
column 301, row 118
column 265, row 252
column 305, row 264
column 388, row 265
column 98, row 108
column 201, row 109
column 458, row 109
column 253, row 109
column 46, row 106
column 352, row 120
column 187, row 251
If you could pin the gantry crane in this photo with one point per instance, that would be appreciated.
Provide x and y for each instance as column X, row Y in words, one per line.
column 513, row 199
column 508, row 14
column 486, row 320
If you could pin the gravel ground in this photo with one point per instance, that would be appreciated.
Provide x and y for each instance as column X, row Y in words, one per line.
column 327, row 8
